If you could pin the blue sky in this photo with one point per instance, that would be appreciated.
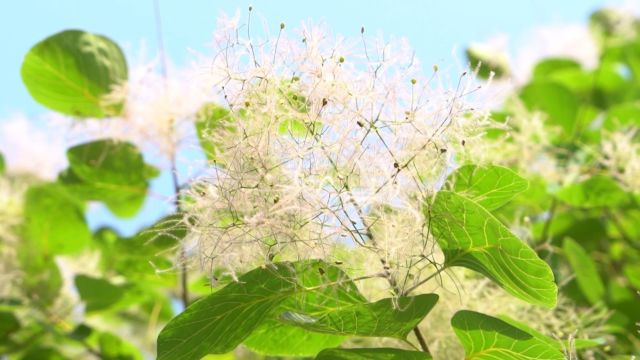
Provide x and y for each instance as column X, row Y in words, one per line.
column 434, row 28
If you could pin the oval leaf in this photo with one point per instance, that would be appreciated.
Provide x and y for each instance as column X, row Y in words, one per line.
column 71, row 72
column 473, row 238
column 485, row 337
column 489, row 186
column 585, row 269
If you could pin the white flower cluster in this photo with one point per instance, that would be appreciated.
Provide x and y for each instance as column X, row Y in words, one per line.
column 333, row 147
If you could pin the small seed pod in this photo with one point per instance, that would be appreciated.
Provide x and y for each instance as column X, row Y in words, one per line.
column 281, row 26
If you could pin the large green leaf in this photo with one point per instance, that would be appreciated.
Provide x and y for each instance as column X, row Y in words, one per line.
column 71, row 72
column 486, row 337
column 556, row 101
column 372, row 354
column 110, row 171
column 222, row 320
column 383, row 318
column 54, row 221
column 489, row 186
column 597, row 191
column 473, row 238
column 98, row 294
column 585, row 270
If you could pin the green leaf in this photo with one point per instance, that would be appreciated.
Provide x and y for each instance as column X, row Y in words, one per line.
column 72, row 71
column 549, row 66
column 382, row 318
column 54, row 222
column 622, row 115
column 98, row 294
column 114, row 348
column 372, row 354
column 298, row 128
column 556, row 101
column 559, row 345
column 597, row 191
column 585, row 270
column 486, row 337
column 109, row 171
column 471, row 237
column 489, row 186
column 210, row 120
column 8, row 324
column 2, row 164
column 275, row 338
column 488, row 60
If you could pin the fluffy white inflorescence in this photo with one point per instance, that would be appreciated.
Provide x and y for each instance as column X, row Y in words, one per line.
column 620, row 154
column 331, row 148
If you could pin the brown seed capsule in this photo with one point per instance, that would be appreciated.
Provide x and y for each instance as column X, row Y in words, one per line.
column 395, row 165
column 281, row 26
column 360, row 123
column 443, row 150
column 463, row 142
column 324, row 102
column 338, row 262
column 250, row 7
column 321, row 271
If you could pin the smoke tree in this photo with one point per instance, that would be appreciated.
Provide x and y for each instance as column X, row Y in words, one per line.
column 345, row 196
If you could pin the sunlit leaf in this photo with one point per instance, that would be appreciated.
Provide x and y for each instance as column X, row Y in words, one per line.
column 213, row 123
column 221, row 321
column 72, row 71
column 275, row 338
column 489, row 186
column 109, row 171
column 486, row 337
column 471, row 237
column 54, row 221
